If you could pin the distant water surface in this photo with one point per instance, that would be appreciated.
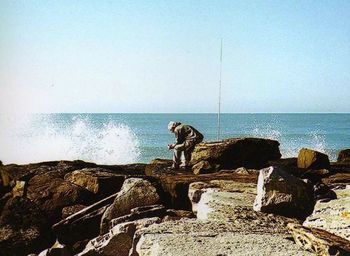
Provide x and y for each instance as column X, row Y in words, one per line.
column 126, row 138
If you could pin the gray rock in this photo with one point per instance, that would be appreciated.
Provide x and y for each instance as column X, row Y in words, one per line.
column 134, row 193
column 118, row 241
column 281, row 193
column 219, row 199
column 188, row 237
column 332, row 216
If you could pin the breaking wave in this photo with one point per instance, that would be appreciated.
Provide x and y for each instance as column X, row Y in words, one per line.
column 34, row 138
column 290, row 144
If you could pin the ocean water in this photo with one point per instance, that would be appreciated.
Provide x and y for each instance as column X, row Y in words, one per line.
column 129, row 138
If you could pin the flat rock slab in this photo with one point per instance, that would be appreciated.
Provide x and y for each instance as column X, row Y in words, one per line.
column 218, row 199
column 194, row 237
column 332, row 216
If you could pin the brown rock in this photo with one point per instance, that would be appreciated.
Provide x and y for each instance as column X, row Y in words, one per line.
column 23, row 228
column 202, row 167
column 69, row 210
column 232, row 153
column 97, row 180
column 52, row 193
column 319, row 241
column 344, row 156
column 311, row 159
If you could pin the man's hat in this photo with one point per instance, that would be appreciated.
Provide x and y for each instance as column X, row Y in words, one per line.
column 171, row 125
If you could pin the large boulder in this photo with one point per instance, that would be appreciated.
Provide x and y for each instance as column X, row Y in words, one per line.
column 281, row 193
column 221, row 199
column 135, row 192
column 332, row 216
column 53, row 193
column 99, row 181
column 311, row 159
column 344, row 156
column 319, row 241
column 23, row 228
column 233, row 153
column 118, row 241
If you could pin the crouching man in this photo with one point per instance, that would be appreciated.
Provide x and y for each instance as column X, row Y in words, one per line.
column 186, row 139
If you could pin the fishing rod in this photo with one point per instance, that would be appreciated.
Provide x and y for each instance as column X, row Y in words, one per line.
column 219, row 103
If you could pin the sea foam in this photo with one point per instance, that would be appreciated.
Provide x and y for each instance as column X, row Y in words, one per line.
column 35, row 138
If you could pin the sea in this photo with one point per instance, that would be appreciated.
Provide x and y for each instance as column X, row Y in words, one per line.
column 114, row 138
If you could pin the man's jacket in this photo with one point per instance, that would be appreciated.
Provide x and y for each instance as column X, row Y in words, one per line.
column 186, row 134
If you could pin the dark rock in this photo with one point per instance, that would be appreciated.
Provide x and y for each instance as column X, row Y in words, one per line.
column 97, row 180
column 158, row 166
column 281, row 193
column 319, row 241
column 135, row 192
column 337, row 179
column 344, row 156
column 315, row 175
column 233, row 153
column 69, row 210
column 52, row 193
column 24, row 228
column 84, row 224
column 323, row 192
column 311, row 159
column 203, row 167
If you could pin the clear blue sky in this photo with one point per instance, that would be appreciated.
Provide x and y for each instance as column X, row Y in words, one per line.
column 163, row 56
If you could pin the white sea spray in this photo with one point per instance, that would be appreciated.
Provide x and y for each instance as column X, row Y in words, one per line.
column 34, row 138
column 291, row 144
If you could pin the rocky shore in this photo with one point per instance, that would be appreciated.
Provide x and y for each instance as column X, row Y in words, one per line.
column 239, row 198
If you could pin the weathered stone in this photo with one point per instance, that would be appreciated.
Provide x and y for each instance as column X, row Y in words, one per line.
column 69, row 210
column 203, row 167
column 172, row 214
column 319, row 241
column 158, row 166
column 175, row 184
column 52, row 193
column 84, row 224
column 233, row 153
column 134, row 193
column 323, row 192
column 218, row 199
column 337, row 179
column 332, row 216
column 344, row 156
column 311, row 159
column 207, row 238
column 315, row 175
column 20, row 189
column 23, row 228
column 97, row 180
column 143, row 212
column 118, row 241
column 281, row 193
